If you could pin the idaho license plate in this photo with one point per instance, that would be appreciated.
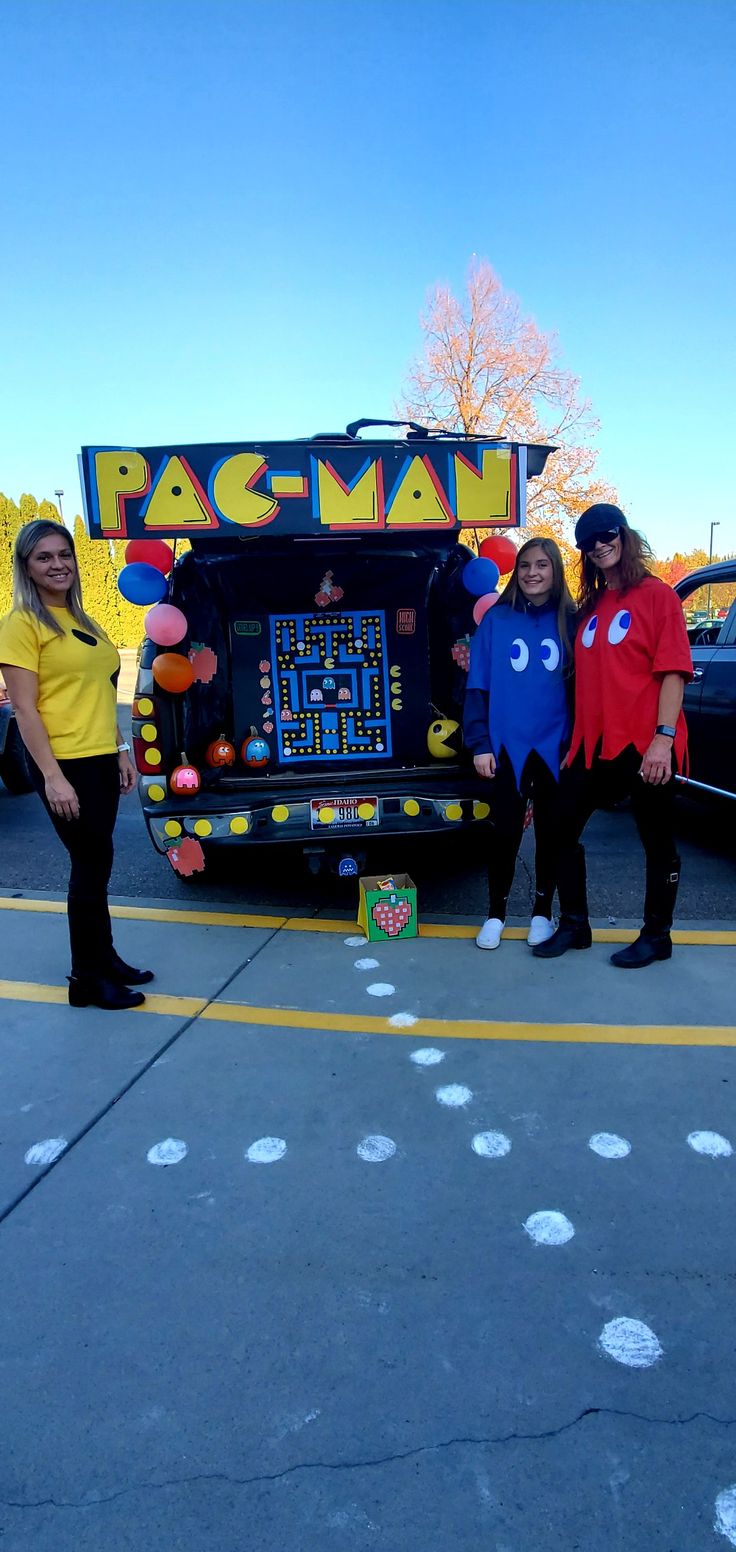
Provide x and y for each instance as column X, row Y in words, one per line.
column 343, row 813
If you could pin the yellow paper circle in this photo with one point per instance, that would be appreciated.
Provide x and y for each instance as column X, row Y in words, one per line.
column 411, row 807
column 172, row 827
column 366, row 811
column 153, row 757
column 144, row 707
column 453, row 811
column 202, row 827
column 326, row 815
column 239, row 825
column 156, row 793
column 280, row 813
column 149, row 733
column 481, row 810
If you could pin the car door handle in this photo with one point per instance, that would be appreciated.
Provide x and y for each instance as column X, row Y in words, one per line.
column 697, row 673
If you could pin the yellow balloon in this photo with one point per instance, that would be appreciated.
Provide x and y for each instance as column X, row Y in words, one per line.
column 440, row 736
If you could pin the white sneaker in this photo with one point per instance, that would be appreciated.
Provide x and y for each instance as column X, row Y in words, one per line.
column 541, row 929
column 490, row 933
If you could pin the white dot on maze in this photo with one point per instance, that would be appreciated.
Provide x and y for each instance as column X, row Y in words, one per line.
column 549, row 1228
column 381, row 989
column 712, row 1144
column 491, row 1145
column 45, row 1152
column 366, row 964
column 608, row 1146
column 454, row 1095
column 630, row 1342
column 374, row 1150
column 171, row 1151
column 426, row 1055
column 725, row 1520
column 266, row 1150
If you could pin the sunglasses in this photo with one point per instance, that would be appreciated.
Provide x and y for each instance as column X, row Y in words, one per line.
column 606, row 536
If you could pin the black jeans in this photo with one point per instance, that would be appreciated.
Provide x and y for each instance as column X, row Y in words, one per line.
column 88, row 840
column 508, row 808
column 582, row 790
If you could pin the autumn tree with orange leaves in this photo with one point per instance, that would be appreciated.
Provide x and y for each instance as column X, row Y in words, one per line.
column 486, row 369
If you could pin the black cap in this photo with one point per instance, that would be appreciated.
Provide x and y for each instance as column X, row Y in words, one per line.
column 597, row 519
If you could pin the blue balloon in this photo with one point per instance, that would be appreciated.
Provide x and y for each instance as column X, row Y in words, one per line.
column 142, row 584
column 481, row 576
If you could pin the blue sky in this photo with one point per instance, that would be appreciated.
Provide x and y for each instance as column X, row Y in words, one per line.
column 221, row 220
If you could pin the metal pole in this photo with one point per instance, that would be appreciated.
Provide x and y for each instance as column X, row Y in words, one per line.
column 58, row 494
column 716, row 524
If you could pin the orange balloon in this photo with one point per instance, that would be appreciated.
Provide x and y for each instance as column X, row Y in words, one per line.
column 173, row 672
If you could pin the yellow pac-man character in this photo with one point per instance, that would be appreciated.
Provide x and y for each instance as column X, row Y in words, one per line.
column 444, row 739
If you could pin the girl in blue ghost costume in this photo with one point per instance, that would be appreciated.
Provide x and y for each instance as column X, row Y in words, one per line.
column 517, row 721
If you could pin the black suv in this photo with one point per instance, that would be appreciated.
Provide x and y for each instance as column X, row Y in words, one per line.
column 710, row 701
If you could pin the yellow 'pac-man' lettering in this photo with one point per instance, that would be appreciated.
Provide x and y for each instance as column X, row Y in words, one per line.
column 232, row 495
column 342, row 506
column 419, row 498
column 118, row 474
column 483, row 495
column 177, row 499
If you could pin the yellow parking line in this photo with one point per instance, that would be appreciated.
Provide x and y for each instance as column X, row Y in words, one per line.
column 694, row 937
column 435, row 1028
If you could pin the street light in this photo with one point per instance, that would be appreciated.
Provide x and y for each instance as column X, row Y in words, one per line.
column 710, row 557
column 59, row 493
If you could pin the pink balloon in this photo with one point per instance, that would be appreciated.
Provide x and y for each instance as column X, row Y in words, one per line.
column 480, row 607
column 166, row 625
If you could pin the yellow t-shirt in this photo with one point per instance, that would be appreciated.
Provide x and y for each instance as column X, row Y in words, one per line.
column 77, row 678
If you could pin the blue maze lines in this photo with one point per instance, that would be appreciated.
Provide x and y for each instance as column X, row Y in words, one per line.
column 331, row 686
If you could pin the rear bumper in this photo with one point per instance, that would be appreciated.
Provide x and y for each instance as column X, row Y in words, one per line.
column 233, row 819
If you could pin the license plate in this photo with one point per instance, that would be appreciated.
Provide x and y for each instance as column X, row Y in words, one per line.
column 343, row 813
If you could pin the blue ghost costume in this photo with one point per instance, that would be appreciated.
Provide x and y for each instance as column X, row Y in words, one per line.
column 518, row 697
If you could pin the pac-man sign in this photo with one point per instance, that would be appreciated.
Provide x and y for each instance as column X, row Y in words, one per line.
column 321, row 486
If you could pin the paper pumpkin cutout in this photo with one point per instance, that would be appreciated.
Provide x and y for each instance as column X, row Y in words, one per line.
column 186, row 857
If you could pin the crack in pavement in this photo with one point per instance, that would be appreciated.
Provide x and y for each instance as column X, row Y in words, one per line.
column 92, row 1501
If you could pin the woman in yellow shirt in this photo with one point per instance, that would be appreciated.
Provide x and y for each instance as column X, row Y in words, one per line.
column 61, row 673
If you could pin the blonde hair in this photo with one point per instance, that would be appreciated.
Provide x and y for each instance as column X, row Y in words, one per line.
column 25, row 593
column 560, row 597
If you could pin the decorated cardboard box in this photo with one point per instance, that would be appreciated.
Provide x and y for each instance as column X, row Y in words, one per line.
column 388, row 907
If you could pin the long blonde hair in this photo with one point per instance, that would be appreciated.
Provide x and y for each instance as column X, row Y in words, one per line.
column 25, row 593
column 560, row 597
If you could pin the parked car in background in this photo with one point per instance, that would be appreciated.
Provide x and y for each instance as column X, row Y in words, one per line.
column 710, row 701
column 13, row 768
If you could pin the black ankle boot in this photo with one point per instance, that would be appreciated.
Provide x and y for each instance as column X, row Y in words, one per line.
column 644, row 951
column 127, row 975
column 98, row 992
column 573, row 932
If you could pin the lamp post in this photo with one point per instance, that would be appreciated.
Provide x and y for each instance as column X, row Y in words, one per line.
column 710, row 557
column 59, row 493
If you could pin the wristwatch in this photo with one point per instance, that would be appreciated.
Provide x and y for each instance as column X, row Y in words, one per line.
column 668, row 732
column 125, row 748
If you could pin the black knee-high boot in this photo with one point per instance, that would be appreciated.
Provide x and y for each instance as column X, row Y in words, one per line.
column 654, row 941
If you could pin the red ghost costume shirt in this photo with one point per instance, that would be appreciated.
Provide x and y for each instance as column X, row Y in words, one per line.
column 622, row 651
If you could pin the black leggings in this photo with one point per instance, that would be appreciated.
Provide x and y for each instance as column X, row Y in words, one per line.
column 508, row 808
column 582, row 790
column 88, row 840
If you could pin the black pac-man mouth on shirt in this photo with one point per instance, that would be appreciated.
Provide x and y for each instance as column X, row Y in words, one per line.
column 89, row 641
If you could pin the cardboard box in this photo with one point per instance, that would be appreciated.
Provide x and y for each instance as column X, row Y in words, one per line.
column 390, row 912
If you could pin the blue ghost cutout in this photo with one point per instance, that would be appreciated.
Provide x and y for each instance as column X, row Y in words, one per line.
column 517, row 657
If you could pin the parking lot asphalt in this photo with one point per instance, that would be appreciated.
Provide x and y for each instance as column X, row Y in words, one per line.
column 349, row 1245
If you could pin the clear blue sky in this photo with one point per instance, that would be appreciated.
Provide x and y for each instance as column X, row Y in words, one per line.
column 221, row 219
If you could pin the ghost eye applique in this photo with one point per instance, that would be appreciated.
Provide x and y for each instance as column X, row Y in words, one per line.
column 619, row 627
column 550, row 654
column 589, row 630
column 519, row 655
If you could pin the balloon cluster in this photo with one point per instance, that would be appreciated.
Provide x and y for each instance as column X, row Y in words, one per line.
column 495, row 558
column 143, row 581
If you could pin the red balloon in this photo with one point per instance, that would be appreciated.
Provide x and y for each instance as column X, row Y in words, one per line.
column 153, row 551
column 501, row 550
column 482, row 605
column 173, row 672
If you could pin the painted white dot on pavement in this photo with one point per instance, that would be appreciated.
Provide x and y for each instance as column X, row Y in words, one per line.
column 426, row 1056
column 549, row 1228
column 725, row 1520
column 710, row 1143
column 171, row 1151
column 630, row 1342
column 366, row 964
column 45, row 1152
column 381, row 989
column 608, row 1146
column 354, row 942
column 491, row 1145
column 402, row 1020
column 375, row 1149
column 266, row 1150
column 454, row 1094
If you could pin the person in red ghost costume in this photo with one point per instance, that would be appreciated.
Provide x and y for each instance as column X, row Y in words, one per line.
column 632, row 658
